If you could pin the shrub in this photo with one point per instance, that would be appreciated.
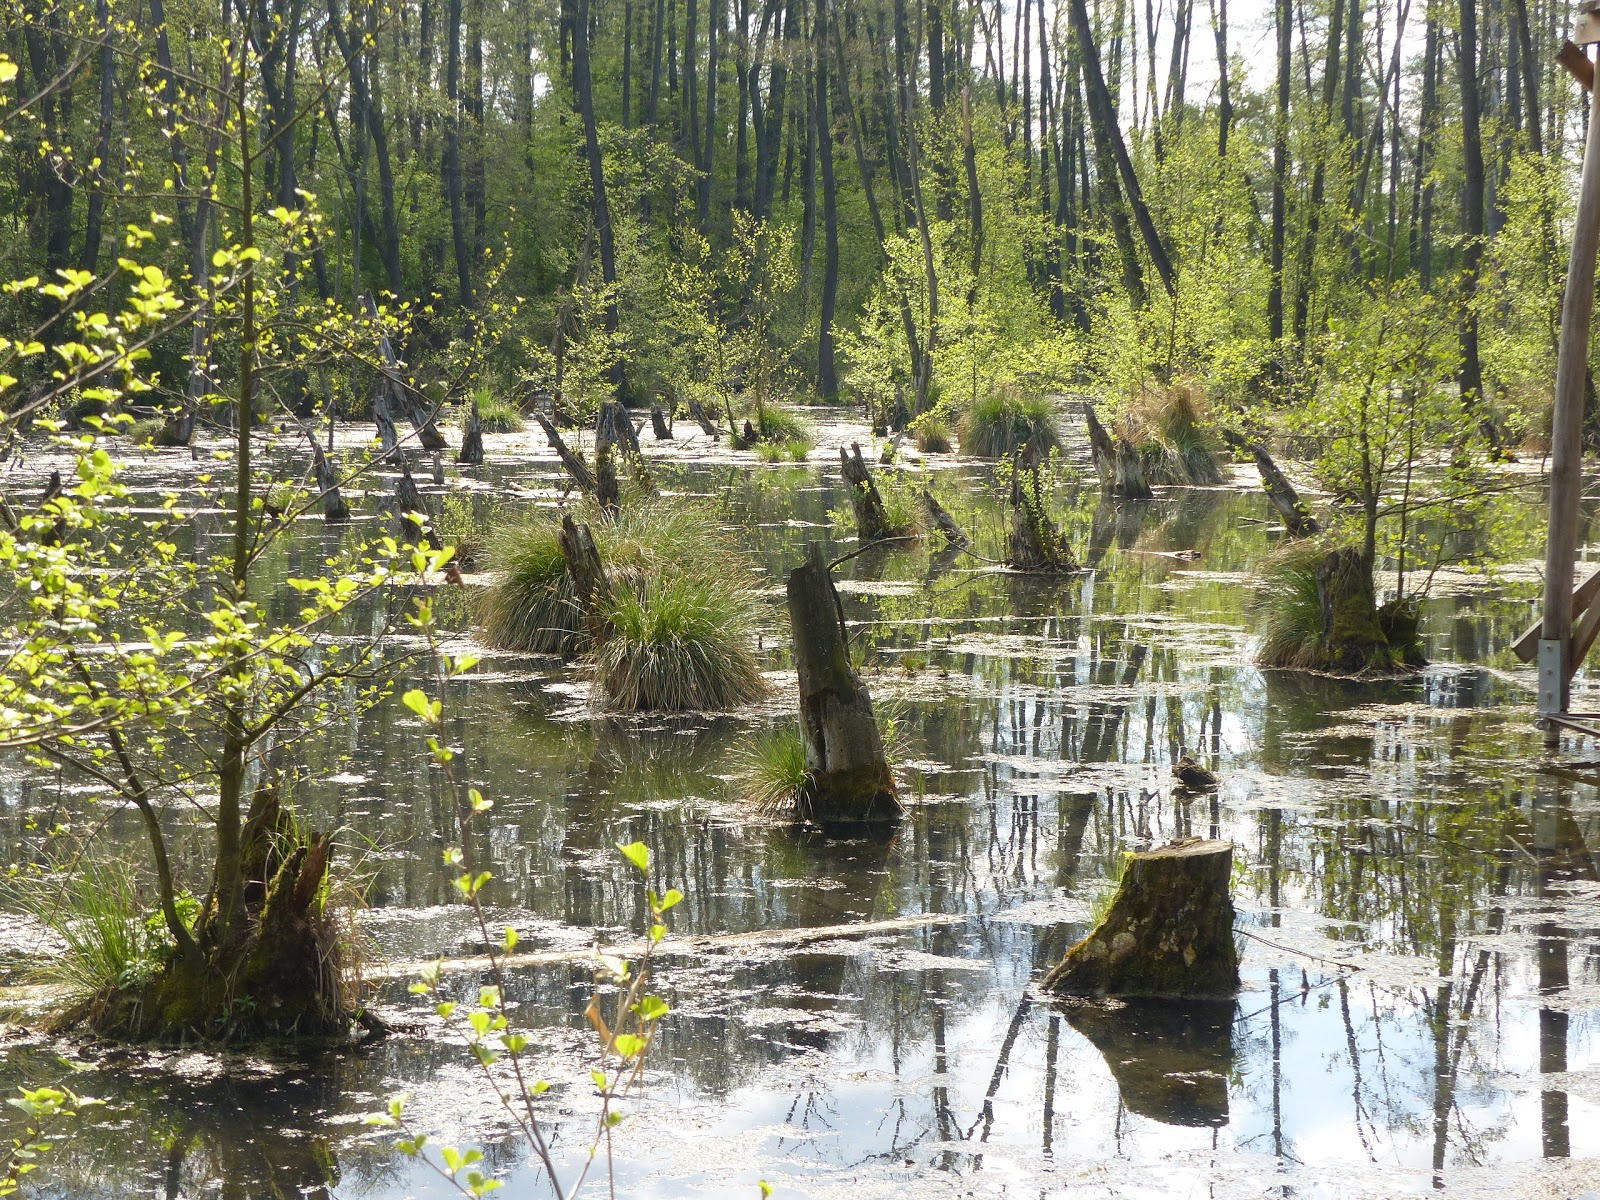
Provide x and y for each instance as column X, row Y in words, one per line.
column 496, row 413
column 1000, row 422
column 772, row 773
column 1288, row 605
column 682, row 614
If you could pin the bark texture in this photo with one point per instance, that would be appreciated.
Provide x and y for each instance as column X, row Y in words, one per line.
column 1169, row 931
column 872, row 519
column 1297, row 518
column 850, row 778
column 472, row 439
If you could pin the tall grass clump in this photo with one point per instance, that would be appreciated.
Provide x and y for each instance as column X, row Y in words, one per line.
column 932, row 433
column 1000, row 422
column 496, row 413
column 678, row 630
column 1288, row 605
column 772, row 773
column 1169, row 427
column 107, row 943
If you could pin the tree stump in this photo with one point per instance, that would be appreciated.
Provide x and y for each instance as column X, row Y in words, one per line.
column 1168, row 933
column 408, row 500
column 1035, row 543
column 850, row 781
column 1132, row 483
column 706, row 424
column 659, row 425
column 1353, row 639
column 576, row 467
column 587, row 572
column 388, row 435
column 472, row 440
column 607, row 491
column 622, row 433
column 1297, row 519
column 334, row 508
column 872, row 520
column 1103, row 449
column 944, row 522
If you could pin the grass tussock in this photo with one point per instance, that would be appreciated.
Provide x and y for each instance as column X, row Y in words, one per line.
column 797, row 450
column 933, row 434
column 773, row 774
column 1288, row 606
column 496, row 413
column 1000, row 422
column 1170, row 428
column 682, row 617
column 780, row 426
column 146, row 431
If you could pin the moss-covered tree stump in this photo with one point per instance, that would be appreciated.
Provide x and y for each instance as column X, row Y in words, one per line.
column 850, row 782
column 1168, row 933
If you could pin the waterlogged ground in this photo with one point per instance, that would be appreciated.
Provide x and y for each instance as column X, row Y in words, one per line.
column 1418, row 893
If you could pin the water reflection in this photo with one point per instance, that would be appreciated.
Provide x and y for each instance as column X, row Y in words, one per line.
column 1420, row 975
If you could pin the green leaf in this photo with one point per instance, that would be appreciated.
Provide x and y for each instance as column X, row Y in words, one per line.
column 671, row 899
column 637, row 853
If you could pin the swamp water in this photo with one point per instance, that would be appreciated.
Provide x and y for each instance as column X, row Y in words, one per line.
column 1419, row 901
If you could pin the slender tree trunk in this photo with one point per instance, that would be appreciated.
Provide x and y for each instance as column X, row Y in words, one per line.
column 1472, row 201
column 1280, row 175
column 827, row 376
column 453, row 187
column 89, row 259
column 600, row 209
column 1308, row 246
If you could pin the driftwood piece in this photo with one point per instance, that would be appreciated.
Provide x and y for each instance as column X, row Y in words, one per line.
column 408, row 500
column 1168, row 933
column 472, row 438
column 576, row 467
column 707, row 425
column 659, row 424
column 588, row 574
column 1035, row 544
column 334, row 508
column 1297, row 519
column 872, row 520
column 943, row 521
column 850, row 781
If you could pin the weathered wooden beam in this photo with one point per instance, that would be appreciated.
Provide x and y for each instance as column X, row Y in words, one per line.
column 1577, row 65
column 1526, row 647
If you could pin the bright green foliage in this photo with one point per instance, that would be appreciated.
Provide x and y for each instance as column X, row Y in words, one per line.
column 774, row 773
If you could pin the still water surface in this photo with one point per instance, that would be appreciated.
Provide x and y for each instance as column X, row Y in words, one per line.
column 1419, row 901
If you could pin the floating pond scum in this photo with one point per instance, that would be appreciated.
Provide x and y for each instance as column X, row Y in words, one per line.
column 1418, row 908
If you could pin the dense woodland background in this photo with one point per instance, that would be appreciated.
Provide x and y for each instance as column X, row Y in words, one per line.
column 911, row 204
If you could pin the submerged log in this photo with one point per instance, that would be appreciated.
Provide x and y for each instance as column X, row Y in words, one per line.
column 1297, row 518
column 850, row 781
column 472, row 440
column 659, row 424
column 1035, row 543
column 334, row 508
column 872, row 519
column 576, row 467
column 1168, row 933
column 944, row 522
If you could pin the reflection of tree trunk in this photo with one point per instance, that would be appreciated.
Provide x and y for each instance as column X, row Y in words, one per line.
column 1548, row 847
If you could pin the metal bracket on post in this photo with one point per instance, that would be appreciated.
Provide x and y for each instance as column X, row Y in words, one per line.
column 1552, row 677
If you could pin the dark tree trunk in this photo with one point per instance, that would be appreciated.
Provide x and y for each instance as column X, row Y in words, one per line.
column 827, row 372
column 1308, row 246
column 1168, row 933
column 587, row 573
column 707, row 426
column 334, row 508
column 1280, row 175
column 89, row 259
column 849, row 779
column 408, row 500
column 943, row 521
column 607, row 491
column 708, row 161
column 582, row 82
column 1472, row 202
column 369, row 101
column 453, row 187
column 576, row 467
column 659, row 425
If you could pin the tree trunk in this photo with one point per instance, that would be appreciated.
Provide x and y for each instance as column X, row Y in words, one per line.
column 827, row 373
column 407, row 500
column 472, row 439
column 659, row 425
column 1132, row 481
column 1280, row 177
column 607, row 492
column 872, row 521
column 1472, row 201
column 707, row 426
column 944, row 522
column 1297, row 519
column 334, row 508
column 1103, row 449
column 587, row 572
column 1168, row 933
column 849, row 778
column 1035, row 543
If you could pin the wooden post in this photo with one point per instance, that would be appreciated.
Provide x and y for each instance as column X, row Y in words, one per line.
column 1566, row 450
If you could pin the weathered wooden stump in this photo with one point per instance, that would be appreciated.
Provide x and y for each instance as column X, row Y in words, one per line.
column 1169, row 932
column 1353, row 639
column 388, row 435
column 1132, row 480
column 334, row 508
column 1035, row 543
column 707, row 426
column 590, row 585
column 576, row 467
column 659, row 425
column 1297, row 518
column 944, row 522
column 1103, row 449
column 472, row 439
column 607, row 491
column 408, row 500
column 872, row 519
column 850, row 782
column 616, row 429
